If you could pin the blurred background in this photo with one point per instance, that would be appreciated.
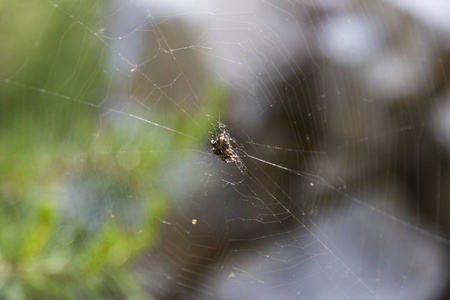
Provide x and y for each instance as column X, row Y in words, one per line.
column 339, row 112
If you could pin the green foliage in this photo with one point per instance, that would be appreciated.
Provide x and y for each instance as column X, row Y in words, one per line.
column 80, row 197
column 68, row 226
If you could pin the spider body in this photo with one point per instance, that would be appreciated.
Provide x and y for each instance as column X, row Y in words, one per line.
column 221, row 147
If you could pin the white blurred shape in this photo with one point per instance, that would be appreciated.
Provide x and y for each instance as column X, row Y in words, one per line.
column 372, row 258
column 349, row 40
column 434, row 13
column 393, row 76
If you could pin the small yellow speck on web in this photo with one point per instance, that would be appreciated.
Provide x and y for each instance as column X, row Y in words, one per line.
column 194, row 221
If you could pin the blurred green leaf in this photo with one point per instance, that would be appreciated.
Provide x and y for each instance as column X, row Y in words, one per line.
column 79, row 198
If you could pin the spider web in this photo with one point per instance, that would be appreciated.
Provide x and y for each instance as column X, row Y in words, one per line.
column 338, row 113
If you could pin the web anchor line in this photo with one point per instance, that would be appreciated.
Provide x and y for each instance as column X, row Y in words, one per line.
column 108, row 109
column 319, row 180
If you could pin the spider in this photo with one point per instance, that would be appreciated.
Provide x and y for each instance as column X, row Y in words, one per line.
column 221, row 147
